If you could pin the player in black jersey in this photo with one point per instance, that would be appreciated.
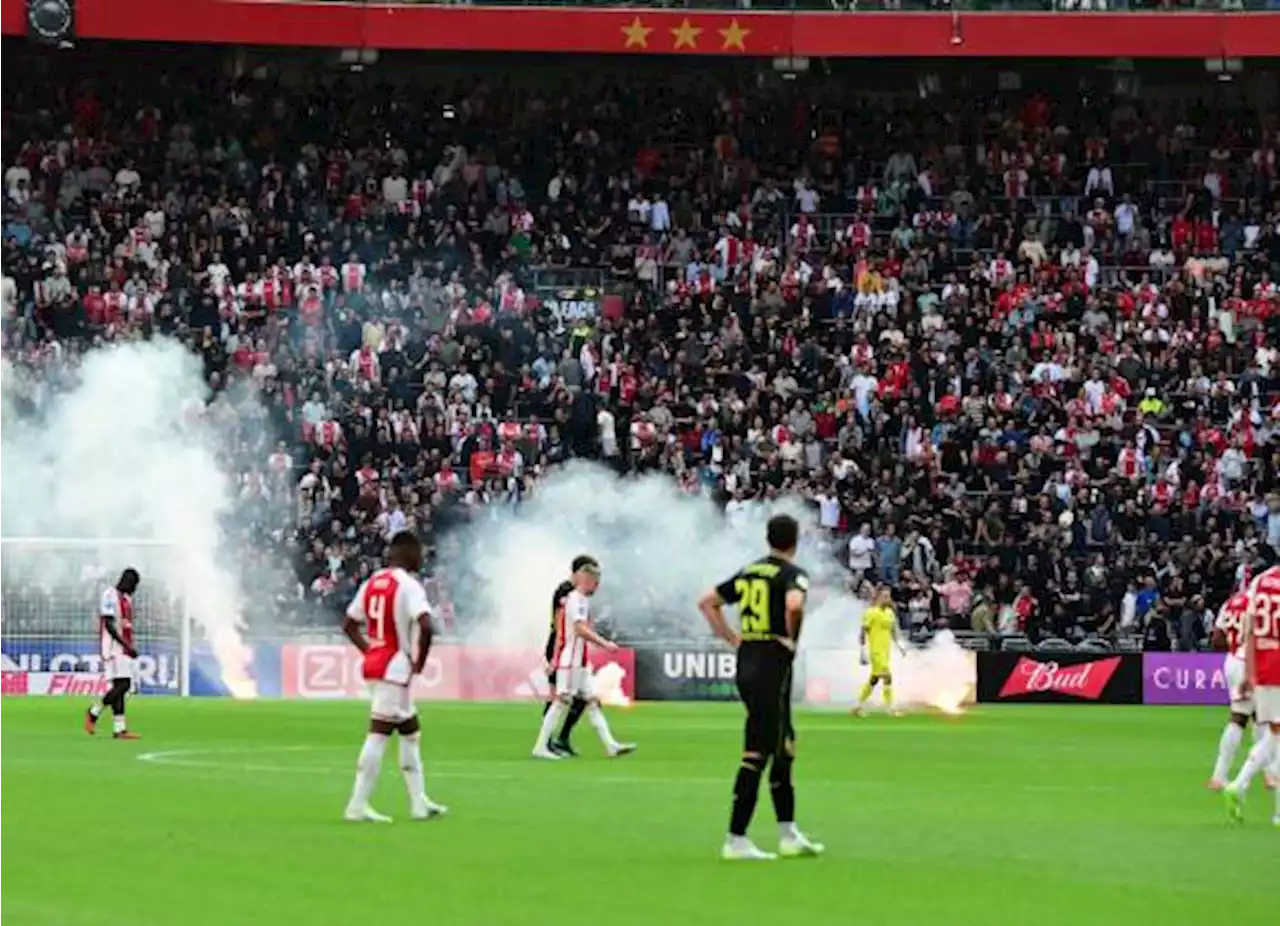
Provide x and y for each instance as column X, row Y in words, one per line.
column 560, row 744
column 769, row 594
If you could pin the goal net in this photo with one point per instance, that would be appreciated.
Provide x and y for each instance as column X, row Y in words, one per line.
column 50, row 591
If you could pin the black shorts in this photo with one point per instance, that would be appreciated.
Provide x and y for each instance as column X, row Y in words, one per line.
column 764, row 684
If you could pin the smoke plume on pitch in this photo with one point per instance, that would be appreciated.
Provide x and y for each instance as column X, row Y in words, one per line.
column 659, row 549
column 127, row 451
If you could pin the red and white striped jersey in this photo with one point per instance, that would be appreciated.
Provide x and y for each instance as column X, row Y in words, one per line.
column 571, row 649
column 1264, row 605
column 328, row 276
column 389, row 604
column 364, row 361
column 115, row 302
column 117, row 605
column 1231, row 622
column 352, row 277
column 857, row 234
column 1130, row 463
column 328, row 434
column 729, row 253
column 999, row 270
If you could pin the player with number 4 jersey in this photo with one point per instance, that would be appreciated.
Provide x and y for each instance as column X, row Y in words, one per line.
column 389, row 621
column 1262, row 678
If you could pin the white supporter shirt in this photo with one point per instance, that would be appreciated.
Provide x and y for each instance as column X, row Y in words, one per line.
column 571, row 649
column 388, row 604
column 860, row 549
column 829, row 511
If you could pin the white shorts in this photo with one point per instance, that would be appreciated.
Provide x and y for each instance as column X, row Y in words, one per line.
column 390, row 702
column 1233, row 669
column 1266, row 699
column 114, row 667
column 573, row 683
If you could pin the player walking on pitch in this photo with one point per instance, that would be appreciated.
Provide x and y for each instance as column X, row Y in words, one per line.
column 878, row 636
column 387, row 617
column 1262, row 678
column 560, row 743
column 573, row 678
column 770, row 595
column 119, row 657
column 1228, row 634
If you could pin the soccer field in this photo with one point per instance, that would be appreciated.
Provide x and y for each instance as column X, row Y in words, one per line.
column 228, row 813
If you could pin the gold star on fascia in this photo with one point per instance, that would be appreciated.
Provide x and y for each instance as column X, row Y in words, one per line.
column 734, row 36
column 637, row 34
column 686, row 35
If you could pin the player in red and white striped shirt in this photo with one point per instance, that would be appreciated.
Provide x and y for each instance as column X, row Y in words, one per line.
column 115, row 628
column 1228, row 634
column 573, row 631
column 389, row 621
column 1262, row 679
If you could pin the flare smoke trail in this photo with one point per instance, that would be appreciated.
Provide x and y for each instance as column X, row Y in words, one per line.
column 123, row 453
column 659, row 549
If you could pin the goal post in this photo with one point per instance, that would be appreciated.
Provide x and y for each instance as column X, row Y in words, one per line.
column 50, row 590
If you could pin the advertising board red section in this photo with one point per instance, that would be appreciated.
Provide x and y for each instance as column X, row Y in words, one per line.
column 684, row 32
column 453, row 673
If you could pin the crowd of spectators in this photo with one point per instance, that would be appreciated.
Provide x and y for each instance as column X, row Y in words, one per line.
column 1018, row 348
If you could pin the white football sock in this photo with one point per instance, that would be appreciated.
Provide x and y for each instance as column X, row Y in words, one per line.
column 1258, row 730
column 550, row 723
column 1227, row 746
column 367, row 768
column 96, row 711
column 786, row 830
column 118, row 723
column 411, row 768
column 596, row 716
column 1259, row 758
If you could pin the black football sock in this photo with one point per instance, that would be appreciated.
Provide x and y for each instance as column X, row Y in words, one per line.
column 576, row 711
column 746, row 788
column 783, row 791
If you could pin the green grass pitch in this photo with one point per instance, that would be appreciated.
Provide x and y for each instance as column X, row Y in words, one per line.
column 228, row 813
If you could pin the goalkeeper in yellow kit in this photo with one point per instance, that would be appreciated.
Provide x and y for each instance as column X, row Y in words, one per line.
column 879, row 635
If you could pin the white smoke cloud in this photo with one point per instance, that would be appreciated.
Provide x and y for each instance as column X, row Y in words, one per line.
column 125, row 453
column 659, row 549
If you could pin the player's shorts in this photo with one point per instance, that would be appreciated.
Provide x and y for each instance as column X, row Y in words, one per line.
column 880, row 665
column 764, row 684
column 573, row 683
column 1233, row 669
column 120, row 667
column 1266, row 703
column 390, row 702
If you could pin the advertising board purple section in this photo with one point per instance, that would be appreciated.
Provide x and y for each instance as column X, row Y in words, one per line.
column 1184, row 678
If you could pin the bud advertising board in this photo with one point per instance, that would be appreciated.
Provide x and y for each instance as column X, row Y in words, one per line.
column 1061, row 678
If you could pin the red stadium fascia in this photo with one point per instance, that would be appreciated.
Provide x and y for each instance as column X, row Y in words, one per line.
column 685, row 32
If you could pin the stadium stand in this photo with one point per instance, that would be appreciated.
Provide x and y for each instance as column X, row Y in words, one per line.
column 1026, row 336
